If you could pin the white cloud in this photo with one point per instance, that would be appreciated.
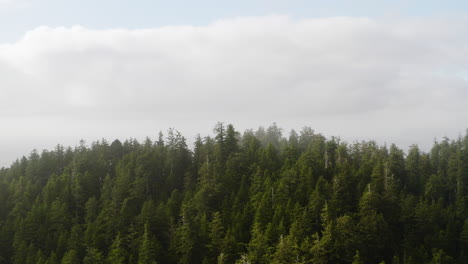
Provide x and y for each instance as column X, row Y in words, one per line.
column 395, row 81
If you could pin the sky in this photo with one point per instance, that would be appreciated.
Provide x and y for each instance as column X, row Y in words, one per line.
column 392, row 71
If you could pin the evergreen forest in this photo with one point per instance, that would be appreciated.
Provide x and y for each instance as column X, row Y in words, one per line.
column 258, row 197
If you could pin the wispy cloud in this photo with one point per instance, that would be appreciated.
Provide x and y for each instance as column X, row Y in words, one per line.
column 393, row 80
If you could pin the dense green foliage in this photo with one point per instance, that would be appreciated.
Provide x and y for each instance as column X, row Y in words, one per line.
column 251, row 198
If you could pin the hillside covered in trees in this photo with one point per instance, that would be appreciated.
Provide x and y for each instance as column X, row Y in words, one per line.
column 257, row 197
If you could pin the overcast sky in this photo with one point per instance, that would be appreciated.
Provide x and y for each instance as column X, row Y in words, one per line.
column 72, row 70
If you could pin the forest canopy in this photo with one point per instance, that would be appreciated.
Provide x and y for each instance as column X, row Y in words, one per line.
column 256, row 197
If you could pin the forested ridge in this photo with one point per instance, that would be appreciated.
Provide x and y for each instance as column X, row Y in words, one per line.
column 256, row 197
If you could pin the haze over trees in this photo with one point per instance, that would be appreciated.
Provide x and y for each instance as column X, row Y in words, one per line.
column 259, row 197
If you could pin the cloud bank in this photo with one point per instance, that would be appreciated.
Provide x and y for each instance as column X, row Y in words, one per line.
column 400, row 80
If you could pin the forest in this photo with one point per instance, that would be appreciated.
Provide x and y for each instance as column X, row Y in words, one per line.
column 261, row 196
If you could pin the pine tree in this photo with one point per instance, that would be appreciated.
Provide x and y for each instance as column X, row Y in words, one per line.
column 70, row 257
column 117, row 254
column 147, row 251
column 93, row 256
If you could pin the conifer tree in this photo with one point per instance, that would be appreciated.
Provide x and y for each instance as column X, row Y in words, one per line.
column 147, row 251
column 116, row 252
